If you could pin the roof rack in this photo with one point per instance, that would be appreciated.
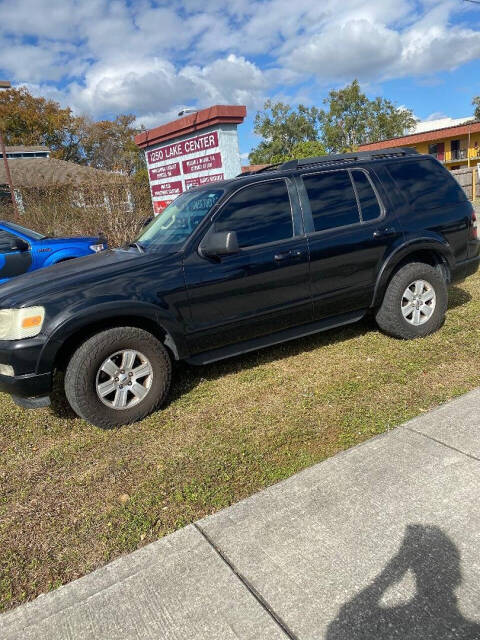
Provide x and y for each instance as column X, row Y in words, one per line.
column 339, row 158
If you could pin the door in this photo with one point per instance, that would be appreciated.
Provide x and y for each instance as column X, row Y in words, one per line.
column 13, row 261
column 455, row 150
column 348, row 237
column 441, row 151
column 262, row 289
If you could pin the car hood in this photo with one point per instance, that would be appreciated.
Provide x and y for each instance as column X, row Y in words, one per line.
column 67, row 276
column 71, row 239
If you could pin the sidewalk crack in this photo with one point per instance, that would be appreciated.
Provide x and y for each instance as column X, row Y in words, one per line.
column 449, row 446
column 249, row 586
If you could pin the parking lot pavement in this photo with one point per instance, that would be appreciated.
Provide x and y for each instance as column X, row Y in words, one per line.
column 381, row 541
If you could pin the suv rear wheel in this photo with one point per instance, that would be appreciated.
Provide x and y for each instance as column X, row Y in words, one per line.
column 118, row 376
column 415, row 302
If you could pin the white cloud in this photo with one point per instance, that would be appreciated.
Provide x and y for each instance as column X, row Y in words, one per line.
column 436, row 48
column 110, row 56
column 139, row 85
column 366, row 49
column 155, row 90
column 231, row 79
column 369, row 44
column 435, row 115
column 39, row 18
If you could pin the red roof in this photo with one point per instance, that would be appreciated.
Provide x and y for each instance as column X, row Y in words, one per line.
column 253, row 167
column 426, row 136
column 218, row 114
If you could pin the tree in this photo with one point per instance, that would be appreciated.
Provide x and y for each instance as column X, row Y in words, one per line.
column 285, row 132
column 28, row 120
column 109, row 144
column 476, row 104
column 352, row 119
column 308, row 149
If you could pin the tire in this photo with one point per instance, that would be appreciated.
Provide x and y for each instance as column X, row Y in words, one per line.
column 391, row 316
column 106, row 349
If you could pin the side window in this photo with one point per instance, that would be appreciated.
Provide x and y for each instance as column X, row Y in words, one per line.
column 6, row 241
column 332, row 199
column 426, row 183
column 259, row 214
column 369, row 205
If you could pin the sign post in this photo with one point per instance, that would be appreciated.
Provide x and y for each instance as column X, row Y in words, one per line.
column 197, row 149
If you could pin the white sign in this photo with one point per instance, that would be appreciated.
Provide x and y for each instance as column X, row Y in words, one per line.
column 175, row 167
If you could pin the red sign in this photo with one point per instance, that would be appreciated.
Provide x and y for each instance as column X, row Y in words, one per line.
column 167, row 171
column 198, row 182
column 204, row 163
column 184, row 148
column 160, row 205
column 167, row 189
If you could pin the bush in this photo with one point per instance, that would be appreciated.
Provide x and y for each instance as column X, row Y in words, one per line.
column 116, row 209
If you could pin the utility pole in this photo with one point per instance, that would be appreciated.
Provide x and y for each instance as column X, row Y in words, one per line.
column 4, row 84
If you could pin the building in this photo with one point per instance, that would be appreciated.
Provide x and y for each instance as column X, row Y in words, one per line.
column 22, row 151
column 33, row 170
column 421, row 126
column 33, row 167
column 457, row 146
column 196, row 149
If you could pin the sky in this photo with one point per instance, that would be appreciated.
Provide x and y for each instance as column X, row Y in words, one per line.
column 151, row 58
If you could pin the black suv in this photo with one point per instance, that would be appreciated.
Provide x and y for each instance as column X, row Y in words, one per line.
column 238, row 265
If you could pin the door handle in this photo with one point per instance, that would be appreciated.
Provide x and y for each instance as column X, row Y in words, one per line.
column 386, row 231
column 287, row 254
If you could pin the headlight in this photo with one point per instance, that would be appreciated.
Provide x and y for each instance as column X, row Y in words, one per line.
column 16, row 324
column 6, row 370
column 97, row 247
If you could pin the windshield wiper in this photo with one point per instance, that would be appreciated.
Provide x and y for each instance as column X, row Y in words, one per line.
column 137, row 245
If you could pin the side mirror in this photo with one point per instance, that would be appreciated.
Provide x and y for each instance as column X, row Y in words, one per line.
column 223, row 243
column 20, row 245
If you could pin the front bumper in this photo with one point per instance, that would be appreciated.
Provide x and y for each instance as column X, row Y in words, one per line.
column 28, row 382
column 28, row 386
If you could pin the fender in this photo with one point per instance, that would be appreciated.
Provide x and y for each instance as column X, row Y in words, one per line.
column 426, row 242
column 74, row 320
column 63, row 254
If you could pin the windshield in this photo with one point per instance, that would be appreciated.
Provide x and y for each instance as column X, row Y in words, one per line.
column 27, row 232
column 171, row 228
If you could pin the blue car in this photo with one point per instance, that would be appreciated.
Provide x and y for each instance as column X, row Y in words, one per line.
column 23, row 250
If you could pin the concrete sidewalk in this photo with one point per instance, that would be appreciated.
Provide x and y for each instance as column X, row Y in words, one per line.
column 381, row 541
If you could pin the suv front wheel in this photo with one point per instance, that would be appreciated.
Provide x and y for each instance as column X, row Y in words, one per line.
column 118, row 376
column 414, row 303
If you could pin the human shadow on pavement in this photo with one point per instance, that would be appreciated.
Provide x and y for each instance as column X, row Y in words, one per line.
column 431, row 614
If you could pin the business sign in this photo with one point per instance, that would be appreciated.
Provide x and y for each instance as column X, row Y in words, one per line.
column 167, row 189
column 190, row 183
column 203, row 142
column 203, row 163
column 166, row 171
column 159, row 206
column 189, row 162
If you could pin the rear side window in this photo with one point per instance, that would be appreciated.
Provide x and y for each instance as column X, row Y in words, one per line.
column 426, row 183
column 259, row 214
column 332, row 199
column 369, row 205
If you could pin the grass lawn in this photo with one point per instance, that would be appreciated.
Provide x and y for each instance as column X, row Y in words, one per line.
column 73, row 497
